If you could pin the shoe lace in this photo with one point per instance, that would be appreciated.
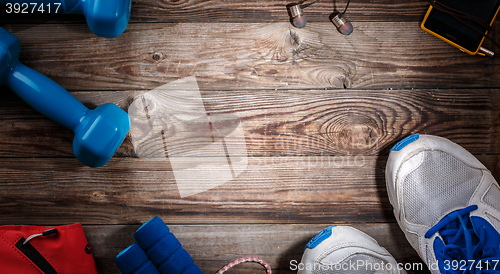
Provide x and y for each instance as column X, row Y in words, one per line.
column 464, row 250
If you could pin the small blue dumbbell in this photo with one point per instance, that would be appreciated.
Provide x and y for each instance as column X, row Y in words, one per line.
column 133, row 260
column 98, row 132
column 106, row 18
column 164, row 250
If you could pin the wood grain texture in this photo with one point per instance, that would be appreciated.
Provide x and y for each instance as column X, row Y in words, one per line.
column 319, row 112
column 253, row 56
column 213, row 246
column 300, row 122
column 272, row 11
column 243, row 11
column 272, row 190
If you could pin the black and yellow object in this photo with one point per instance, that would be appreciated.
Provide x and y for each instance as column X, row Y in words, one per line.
column 461, row 23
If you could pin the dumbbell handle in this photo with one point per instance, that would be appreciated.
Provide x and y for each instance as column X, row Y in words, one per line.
column 46, row 96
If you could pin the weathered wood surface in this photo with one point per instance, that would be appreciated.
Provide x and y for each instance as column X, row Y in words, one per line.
column 244, row 11
column 300, row 122
column 319, row 113
column 272, row 56
column 213, row 246
column 271, row 190
column 290, row 190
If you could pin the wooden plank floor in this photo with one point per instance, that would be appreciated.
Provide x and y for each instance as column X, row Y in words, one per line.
column 319, row 113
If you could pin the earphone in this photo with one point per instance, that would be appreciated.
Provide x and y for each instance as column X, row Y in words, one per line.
column 343, row 25
column 338, row 18
column 299, row 20
column 296, row 10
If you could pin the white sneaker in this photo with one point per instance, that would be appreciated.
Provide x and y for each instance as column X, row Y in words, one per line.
column 344, row 249
column 447, row 204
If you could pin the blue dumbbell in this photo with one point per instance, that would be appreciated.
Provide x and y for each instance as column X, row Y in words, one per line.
column 98, row 132
column 164, row 250
column 106, row 18
column 133, row 260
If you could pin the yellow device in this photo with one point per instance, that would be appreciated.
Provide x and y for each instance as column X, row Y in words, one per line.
column 461, row 31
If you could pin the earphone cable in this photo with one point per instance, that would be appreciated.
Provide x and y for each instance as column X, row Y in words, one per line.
column 348, row 2
column 307, row 5
column 462, row 17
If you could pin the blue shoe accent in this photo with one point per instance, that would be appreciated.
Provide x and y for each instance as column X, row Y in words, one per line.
column 320, row 237
column 401, row 144
column 465, row 239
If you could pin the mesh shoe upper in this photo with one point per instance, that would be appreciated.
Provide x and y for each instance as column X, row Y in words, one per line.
column 425, row 185
column 446, row 202
column 343, row 249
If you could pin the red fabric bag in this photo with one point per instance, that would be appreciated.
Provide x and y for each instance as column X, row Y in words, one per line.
column 65, row 251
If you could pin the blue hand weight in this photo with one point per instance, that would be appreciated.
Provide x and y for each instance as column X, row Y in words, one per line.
column 133, row 260
column 106, row 18
column 164, row 250
column 98, row 132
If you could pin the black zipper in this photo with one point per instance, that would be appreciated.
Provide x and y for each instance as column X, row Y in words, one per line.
column 35, row 256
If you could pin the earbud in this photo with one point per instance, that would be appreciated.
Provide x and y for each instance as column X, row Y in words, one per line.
column 338, row 18
column 299, row 20
column 297, row 13
column 343, row 25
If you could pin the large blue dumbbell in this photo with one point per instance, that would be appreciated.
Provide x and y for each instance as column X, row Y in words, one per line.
column 164, row 250
column 106, row 18
column 133, row 260
column 98, row 132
